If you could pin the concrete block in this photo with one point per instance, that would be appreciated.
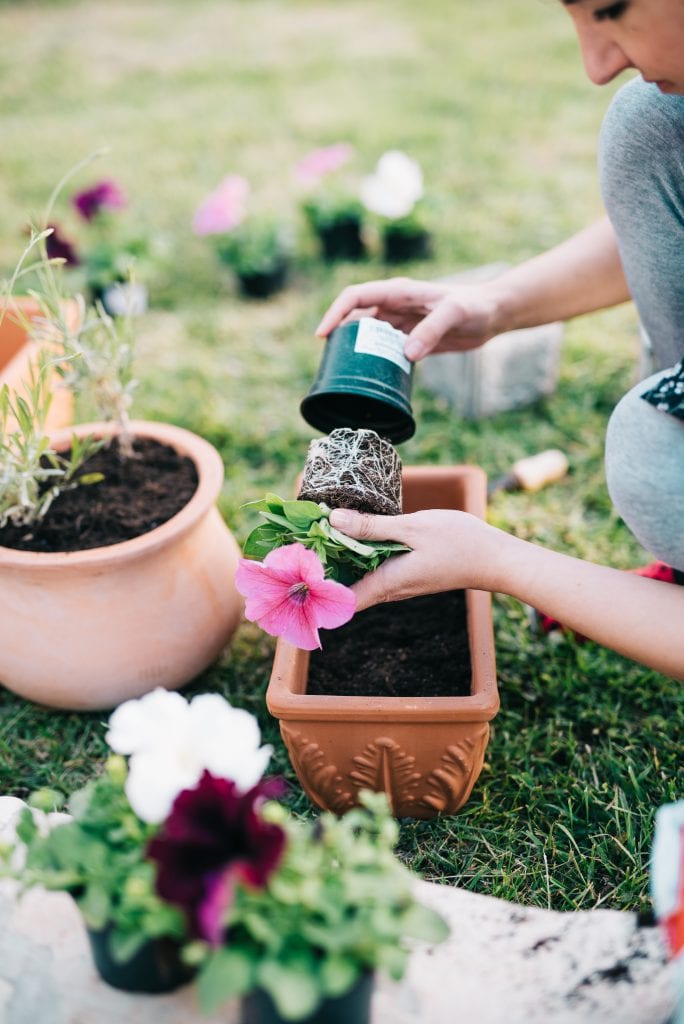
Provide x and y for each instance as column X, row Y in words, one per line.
column 508, row 372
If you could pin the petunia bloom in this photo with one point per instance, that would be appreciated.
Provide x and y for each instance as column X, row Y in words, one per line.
column 105, row 195
column 171, row 742
column 58, row 247
column 288, row 595
column 214, row 838
column 395, row 187
column 319, row 162
column 224, row 208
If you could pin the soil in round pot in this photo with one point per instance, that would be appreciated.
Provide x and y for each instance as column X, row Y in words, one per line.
column 351, row 1008
column 135, row 495
column 156, row 967
column 342, row 240
column 353, row 469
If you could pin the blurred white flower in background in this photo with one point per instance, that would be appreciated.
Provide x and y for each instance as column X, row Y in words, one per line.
column 395, row 187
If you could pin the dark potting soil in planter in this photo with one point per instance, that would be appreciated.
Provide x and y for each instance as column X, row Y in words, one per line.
column 413, row 648
column 136, row 495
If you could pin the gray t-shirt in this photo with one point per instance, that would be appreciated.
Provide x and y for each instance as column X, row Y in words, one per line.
column 641, row 168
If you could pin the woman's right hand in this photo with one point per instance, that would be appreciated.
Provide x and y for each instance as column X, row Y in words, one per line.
column 437, row 316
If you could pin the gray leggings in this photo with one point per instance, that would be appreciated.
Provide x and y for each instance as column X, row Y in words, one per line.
column 645, row 473
column 641, row 164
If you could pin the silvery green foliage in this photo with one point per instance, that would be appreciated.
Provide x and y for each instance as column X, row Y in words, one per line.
column 32, row 474
column 98, row 362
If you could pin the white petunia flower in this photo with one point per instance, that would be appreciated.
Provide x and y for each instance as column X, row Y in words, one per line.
column 395, row 187
column 171, row 742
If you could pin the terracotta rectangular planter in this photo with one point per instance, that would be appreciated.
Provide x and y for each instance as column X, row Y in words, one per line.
column 426, row 753
column 17, row 353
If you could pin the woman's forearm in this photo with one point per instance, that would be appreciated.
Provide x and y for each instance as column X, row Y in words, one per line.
column 640, row 618
column 578, row 276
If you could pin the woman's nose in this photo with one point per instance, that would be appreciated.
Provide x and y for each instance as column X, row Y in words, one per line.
column 603, row 58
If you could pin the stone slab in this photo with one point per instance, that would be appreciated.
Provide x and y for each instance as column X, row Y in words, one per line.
column 502, row 963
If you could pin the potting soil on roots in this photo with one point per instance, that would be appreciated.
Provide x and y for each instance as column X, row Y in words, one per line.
column 413, row 648
column 136, row 495
column 353, row 469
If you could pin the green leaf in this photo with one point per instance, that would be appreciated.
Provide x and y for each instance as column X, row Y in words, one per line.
column 262, row 539
column 423, row 923
column 95, row 906
column 349, row 542
column 302, row 513
column 124, row 945
column 278, row 520
column 228, row 973
column 338, row 974
column 270, row 503
column 293, row 986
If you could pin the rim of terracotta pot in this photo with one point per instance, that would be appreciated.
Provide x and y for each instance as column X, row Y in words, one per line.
column 210, row 474
column 480, row 705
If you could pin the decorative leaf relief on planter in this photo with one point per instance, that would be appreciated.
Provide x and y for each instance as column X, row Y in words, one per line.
column 322, row 778
column 448, row 786
column 385, row 767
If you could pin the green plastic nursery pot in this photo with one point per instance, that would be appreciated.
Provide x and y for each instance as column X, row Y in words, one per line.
column 155, row 968
column 351, row 1008
column 363, row 381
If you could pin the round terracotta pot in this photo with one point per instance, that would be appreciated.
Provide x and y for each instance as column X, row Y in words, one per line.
column 18, row 353
column 86, row 630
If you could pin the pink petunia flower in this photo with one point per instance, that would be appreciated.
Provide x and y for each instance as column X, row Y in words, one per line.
column 319, row 162
column 224, row 208
column 288, row 595
column 105, row 195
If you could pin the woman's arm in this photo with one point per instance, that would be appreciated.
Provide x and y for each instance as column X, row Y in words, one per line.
column 580, row 275
column 640, row 618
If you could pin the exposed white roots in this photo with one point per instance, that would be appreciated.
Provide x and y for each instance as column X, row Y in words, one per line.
column 353, row 469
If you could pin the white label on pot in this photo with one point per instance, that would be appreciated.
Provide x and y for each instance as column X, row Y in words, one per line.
column 377, row 338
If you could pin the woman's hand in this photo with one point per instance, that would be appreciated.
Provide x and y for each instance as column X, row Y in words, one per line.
column 437, row 317
column 450, row 550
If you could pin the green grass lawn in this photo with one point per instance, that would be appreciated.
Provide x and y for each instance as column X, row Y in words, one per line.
column 492, row 100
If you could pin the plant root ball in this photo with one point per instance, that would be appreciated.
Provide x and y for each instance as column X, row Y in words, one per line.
column 353, row 469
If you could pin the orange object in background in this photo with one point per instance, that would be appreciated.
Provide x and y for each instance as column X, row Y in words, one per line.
column 17, row 352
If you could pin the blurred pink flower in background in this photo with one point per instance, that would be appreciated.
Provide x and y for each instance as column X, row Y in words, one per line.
column 224, row 208
column 104, row 195
column 319, row 162
column 288, row 595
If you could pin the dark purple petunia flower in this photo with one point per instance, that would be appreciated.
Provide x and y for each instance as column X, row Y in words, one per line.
column 214, row 838
column 105, row 195
column 57, row 246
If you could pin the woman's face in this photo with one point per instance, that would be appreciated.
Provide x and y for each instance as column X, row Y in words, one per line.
column 644, row 34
